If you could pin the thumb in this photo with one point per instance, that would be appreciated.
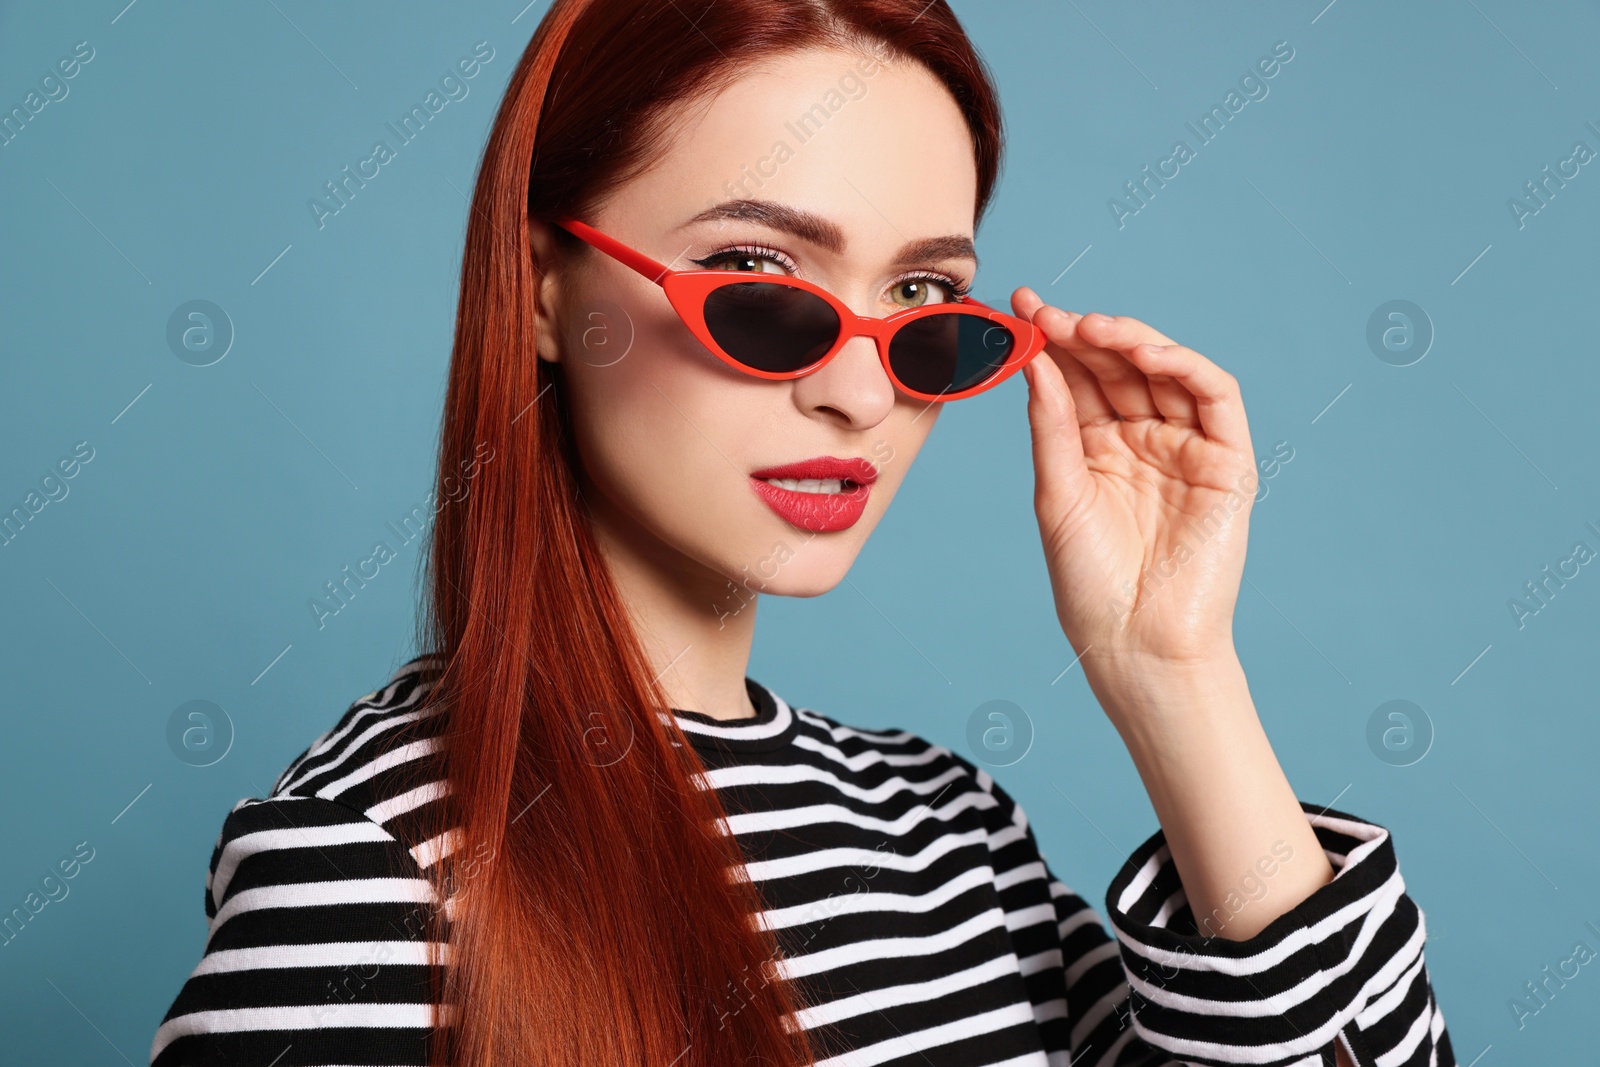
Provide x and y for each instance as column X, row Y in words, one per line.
column 1060, row 474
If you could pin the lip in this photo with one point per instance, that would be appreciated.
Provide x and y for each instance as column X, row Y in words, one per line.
column 861, row 471
column 818, row 512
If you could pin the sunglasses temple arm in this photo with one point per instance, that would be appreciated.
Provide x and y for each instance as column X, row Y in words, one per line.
column 618, row 251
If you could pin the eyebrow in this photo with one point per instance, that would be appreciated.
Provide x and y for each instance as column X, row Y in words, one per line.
column 828, row 235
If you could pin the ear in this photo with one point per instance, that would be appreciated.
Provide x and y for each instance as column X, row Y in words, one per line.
column 547, row 272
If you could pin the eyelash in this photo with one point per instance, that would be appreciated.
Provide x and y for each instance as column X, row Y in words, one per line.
column 957, row 288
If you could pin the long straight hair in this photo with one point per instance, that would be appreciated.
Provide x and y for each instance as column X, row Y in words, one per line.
column 613, row 922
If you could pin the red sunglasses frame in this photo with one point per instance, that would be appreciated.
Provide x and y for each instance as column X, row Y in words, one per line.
column 687, row 291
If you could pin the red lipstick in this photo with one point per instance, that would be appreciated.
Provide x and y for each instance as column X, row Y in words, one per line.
column 813, row 507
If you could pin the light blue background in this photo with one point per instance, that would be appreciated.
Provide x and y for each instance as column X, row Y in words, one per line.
column 1382, row 557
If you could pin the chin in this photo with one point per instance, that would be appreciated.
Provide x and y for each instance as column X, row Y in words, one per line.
column 802, row 568
column 821, row 580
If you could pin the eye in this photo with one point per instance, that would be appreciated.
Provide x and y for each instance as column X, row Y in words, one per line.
column 916, row 290
column 745, row 258
column 913, row 290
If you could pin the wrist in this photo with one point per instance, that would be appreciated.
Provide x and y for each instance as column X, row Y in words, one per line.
column 1140, row 692
column 1142, row 674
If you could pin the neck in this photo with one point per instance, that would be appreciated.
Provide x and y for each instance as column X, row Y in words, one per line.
column 695, row 626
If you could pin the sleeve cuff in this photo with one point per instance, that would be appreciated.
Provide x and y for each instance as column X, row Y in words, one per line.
column 1283, row 994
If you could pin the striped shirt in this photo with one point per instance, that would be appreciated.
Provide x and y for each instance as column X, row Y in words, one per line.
column 917, row 916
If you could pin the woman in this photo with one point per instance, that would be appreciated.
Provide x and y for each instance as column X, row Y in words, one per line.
column 557, row 824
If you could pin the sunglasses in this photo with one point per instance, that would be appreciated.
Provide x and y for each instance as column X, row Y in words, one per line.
column 780, row 328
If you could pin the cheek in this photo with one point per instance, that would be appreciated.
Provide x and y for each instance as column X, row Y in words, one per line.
column 630, row 438
column 617, row 364
column 668, row 436
column 897, row 442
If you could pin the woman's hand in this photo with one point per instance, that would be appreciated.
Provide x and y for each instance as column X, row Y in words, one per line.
column 1143, row 481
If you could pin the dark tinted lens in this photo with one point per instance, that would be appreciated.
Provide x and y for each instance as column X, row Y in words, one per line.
column 949, row 353
column 769, row 326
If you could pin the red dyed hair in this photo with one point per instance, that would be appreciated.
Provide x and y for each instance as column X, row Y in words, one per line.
column 612, row 924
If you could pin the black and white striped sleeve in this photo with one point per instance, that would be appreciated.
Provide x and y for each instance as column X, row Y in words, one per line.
column 315, row 951
column 1346, row 960
column 1344, row 964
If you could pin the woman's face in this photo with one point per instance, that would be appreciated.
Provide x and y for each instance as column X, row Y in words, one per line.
column 866, row 159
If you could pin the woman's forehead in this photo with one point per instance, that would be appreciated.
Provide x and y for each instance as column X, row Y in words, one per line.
column 879, row 149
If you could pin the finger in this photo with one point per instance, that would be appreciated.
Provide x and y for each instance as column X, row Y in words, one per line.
column 1087, row 396
column 1173, row 402
column 1057, row 326
column 1122, row 331
column 1123, row 383
column 1217, row 419
column 1215, row 393
column 1060, row 473
column 1176, row 404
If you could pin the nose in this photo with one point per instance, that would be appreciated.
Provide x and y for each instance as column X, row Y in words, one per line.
column 853, row 389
